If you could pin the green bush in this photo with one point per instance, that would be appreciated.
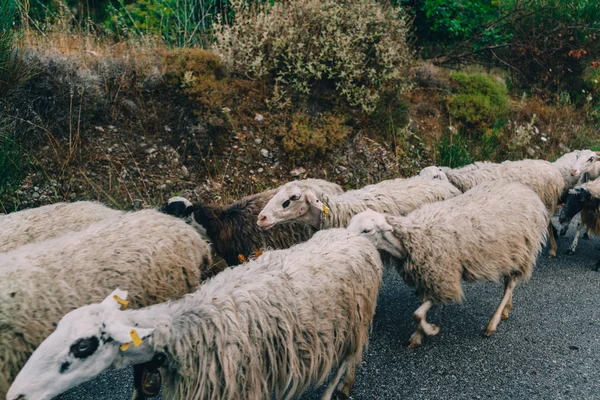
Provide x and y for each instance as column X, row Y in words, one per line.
column 357, row 48
column 478, row 101
column 181, row 23
column 453, row 151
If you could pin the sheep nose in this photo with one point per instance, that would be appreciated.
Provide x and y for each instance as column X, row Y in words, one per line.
column 20, row 397
column 574, row 172
column 262, row 219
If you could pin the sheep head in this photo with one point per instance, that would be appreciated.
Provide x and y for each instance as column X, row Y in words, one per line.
column 575, row 202
column 375, row 227
column 586, row 160
column 195, row 215
column 292, row 202
column 87, row 341
column 433, row 172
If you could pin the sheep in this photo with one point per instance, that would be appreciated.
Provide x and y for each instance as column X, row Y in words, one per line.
column 154, row 256
column 38, row 224
column 538, row 175
column 270, row 328
column 322, row 211
column 585, row 199
column 232, row 229
column 494, row 229
column 577, row 167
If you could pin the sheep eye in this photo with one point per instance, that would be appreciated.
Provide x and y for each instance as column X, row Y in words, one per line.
column 591, row 159
column 365, row 231
column 84, row 347
column 294, row 197
column 286, row 203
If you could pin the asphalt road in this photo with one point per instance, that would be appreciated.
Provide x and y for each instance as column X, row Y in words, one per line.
column 548, row 349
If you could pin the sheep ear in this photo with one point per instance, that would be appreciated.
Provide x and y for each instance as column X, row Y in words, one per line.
column 385, row 227
column 316, row 208
column 117, row 299
column 127, row 335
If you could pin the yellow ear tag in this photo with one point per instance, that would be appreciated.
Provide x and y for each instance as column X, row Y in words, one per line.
column 124, row 346
column 242, row 258
column 135, row 338
column 325, row 209
column 258, row 253
column 123, row 303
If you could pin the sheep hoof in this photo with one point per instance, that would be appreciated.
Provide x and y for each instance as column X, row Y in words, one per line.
column 435, row 330
column 489, row 332
column 586, row 236
column 570, row 252
column 414, row 345
column 504, row 315
column 563, row 232
column 339, row 395
column 551, row 255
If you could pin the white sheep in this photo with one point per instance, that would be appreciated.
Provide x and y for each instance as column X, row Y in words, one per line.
column 232, row 229
column 491, row 230
column 46, row 222
column 270, row 328
column 539, row 175
column 154, row 256
column 322, row 211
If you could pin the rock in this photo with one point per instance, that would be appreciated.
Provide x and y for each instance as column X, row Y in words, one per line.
column 530, row 151
column 258, row 140
column 260, row 170
column 161, row 187
column 297, row 171
column 265, row 153
column 184, row 171
column 167, row 128
column 99, row 128
column 259, row 118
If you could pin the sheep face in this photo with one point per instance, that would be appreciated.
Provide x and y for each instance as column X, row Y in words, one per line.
column 86, row 342
column 374, row 226
column 586, row 162
column 181, row 207
column 433, row 172
column 292, row 202
column 576, row 200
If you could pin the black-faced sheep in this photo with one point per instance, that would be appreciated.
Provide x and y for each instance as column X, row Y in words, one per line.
column 41, row 223
column 584, row 199
column 493, row 229
column 270, row 328
column 293, row 203
column 154, row 256
column 232, row 229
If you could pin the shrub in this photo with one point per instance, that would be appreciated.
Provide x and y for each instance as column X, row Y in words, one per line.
column 453, row 151
column 478, row 102
column 308, row 137
column 181, row 23
column 355, row 47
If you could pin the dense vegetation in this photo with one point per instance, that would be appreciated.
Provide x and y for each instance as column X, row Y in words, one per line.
column 427, row 81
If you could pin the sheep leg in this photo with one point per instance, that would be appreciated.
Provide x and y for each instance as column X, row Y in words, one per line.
column 424, row 328
column 509, row 305
column 571, row 250
column 334, row 382
column 553, row 246
column 509, row 286
column 343, row 390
